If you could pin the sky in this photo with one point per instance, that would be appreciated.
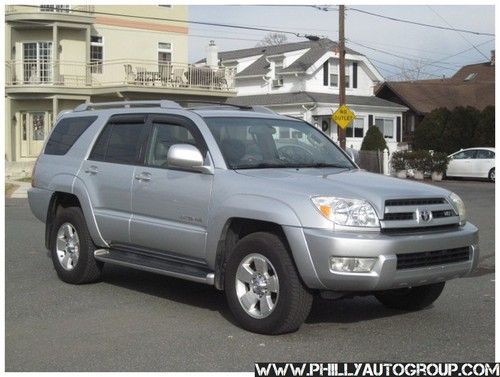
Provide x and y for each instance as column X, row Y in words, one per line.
column 415, row 46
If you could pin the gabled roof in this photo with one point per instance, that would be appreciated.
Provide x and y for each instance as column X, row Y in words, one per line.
column 316, row 49
column 310, row 98
column 423, row 96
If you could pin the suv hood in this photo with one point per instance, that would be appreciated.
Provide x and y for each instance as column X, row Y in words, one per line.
column 359, row 184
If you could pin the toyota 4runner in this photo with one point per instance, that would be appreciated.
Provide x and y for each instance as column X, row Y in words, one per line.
column 263, row 206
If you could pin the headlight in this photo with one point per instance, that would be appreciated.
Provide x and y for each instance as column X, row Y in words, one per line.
column 347, row 212
column 459, row 205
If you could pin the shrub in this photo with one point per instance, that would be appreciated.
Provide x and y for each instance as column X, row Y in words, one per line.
column 373, row 140
column 429, row 132
column 420, row 160
column 439, row 162
column 399, row 160
column 484, row 135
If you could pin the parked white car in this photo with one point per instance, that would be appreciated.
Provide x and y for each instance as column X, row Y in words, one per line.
column 472, row 162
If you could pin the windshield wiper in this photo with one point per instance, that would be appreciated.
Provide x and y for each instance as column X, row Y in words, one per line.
column 322, row 165
column 261, row 165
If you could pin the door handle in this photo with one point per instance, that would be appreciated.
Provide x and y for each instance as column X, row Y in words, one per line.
column 92, row 169
column 144, row 177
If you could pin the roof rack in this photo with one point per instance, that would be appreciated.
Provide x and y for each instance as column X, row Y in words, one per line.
column 103, row 105
column 257, row 109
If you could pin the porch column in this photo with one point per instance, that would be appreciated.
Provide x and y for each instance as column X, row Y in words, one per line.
column 9, row 125
column 55, row 109
column 55, row 54
column 88, row 74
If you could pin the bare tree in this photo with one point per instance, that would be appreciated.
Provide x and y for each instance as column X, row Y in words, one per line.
column 414, row 70
column 273, row 39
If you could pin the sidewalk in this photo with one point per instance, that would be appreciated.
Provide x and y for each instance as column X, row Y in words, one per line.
column 22, row 191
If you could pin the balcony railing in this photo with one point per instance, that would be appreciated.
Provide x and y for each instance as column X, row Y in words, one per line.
column 138, row 73
column 60, row 8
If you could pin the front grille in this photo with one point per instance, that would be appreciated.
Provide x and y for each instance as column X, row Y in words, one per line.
column 399, row 216
column 419, row 229
column 414, row 202
column 432, row 258
column 441, row 214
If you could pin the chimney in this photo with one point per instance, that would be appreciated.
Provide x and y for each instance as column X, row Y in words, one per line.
column 212, row 55
column 492, row 60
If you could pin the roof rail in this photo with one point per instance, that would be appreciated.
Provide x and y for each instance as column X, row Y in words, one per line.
column 263, row 109
column 216, row 103
column 117, row 104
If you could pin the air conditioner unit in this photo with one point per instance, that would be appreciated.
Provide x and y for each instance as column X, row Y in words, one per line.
column 278, row 83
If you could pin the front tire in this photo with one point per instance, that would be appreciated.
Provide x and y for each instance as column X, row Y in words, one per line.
column 410, row 299
column 491, row 175
column 72, row 248
column 263, row 289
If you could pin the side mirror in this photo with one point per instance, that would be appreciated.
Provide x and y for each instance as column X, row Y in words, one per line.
column 187, row 157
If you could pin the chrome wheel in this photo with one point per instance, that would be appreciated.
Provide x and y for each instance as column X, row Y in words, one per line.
column 257, row 285
column 67, row 246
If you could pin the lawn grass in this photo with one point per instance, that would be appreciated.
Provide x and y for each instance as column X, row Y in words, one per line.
column 25, row 179
column 9, row 189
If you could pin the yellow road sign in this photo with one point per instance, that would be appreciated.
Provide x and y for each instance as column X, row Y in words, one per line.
column 343, row 116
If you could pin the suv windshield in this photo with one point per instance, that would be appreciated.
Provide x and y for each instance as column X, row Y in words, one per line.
column 254, row 143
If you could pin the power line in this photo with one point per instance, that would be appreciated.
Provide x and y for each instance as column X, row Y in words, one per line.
column 459, row 33
column 271, row 30
column 420, row 23
column 396, row 55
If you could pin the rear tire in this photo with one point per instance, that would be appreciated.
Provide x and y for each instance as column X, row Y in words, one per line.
column 274, row 301
column 415, row 298
column 72, row 248
column 491, row 175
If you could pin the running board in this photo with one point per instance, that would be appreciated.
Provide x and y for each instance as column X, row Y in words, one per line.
column 155, row 265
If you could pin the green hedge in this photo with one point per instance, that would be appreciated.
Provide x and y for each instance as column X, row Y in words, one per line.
column 373, row 140
column 421, row 160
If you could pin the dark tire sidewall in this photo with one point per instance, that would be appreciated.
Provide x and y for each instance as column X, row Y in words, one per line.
column 258, row 246
column 490, row 173
column 74, row 216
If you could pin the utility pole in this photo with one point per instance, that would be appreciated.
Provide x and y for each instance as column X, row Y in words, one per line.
column 342, row 99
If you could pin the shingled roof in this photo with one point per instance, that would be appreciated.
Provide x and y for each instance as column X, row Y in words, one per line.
column 473, row 85
column 308, row 98
column 316, row 49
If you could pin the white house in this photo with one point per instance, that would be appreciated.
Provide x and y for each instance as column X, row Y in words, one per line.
column 301, row 79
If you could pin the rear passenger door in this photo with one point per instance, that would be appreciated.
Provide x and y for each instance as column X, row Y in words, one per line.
column 170, row 206
column 108, row 173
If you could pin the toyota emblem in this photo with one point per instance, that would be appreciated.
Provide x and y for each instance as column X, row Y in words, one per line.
column 426, row 215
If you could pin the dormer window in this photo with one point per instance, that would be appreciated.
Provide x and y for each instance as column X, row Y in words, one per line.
column 471, row 76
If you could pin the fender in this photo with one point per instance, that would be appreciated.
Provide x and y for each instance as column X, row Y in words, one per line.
column 260, row 208
column 79, row 189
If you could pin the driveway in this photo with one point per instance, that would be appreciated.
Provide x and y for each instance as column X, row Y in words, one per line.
column 135, row 321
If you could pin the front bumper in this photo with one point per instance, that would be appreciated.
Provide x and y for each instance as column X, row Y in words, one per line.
column 323, row 244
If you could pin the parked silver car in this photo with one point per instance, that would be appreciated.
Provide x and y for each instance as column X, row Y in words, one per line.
column 262, row 206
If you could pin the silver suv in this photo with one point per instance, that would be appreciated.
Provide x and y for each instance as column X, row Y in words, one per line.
column 263, row 206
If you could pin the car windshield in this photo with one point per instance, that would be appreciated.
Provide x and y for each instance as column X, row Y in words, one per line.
column 257, row 143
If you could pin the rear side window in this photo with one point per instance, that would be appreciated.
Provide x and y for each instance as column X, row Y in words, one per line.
column 118, row 143
column 66, row 133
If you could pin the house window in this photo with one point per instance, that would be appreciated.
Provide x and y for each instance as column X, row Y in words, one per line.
column 59, row 8
column 164, row 52
column 356, row 128
column 334, row 74
column 386, row 127
column 96, row 54
column 347, row 76
column 37, row 62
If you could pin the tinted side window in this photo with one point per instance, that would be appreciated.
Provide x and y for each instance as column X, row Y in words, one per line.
column 164, row 136
column 485, row 154
column 66, row 133
column 465, row 155
column 119, row 143
column 124, row 143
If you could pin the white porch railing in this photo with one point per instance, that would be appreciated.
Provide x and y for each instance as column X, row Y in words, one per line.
column 141, row 73
column 59, row 8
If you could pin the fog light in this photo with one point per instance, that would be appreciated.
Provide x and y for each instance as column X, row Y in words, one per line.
column 340, row 264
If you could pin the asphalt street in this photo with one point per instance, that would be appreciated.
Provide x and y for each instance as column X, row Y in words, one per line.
column 135, row 321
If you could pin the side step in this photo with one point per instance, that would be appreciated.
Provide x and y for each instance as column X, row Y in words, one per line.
column 161, row 266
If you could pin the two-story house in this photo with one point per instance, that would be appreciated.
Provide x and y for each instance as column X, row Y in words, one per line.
column 302, row 80
column 58, row 56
